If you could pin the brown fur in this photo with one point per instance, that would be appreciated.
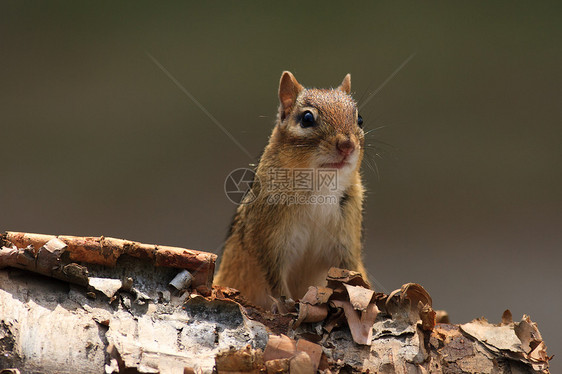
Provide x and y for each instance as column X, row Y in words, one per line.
column 280, row 249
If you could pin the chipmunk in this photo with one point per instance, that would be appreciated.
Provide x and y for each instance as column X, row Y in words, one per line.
column 286, row 240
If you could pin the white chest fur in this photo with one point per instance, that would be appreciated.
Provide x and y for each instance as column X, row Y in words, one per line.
column 313, row 245
column 315, row 236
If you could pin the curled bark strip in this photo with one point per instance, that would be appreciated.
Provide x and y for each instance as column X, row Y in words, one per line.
column 46, row 260
column 106, row 251
column 337, row 276
column 360, row 323
column 310, row 313
column 359, row 297
column 313, row 350
column 279, row 347
column 317, row 295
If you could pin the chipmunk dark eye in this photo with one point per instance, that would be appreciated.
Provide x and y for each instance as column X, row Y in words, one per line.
column 360, row 121
column 307, row 119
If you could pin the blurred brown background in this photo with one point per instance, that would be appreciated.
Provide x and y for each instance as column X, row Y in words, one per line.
column 97, row 140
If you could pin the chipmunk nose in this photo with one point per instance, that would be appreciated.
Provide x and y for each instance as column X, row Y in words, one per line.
column 345, row 147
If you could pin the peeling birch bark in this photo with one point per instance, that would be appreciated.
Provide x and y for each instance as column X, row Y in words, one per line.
column 128, row 315
column 106, row 251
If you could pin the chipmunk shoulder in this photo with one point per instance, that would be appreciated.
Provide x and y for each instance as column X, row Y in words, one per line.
column 304, row 212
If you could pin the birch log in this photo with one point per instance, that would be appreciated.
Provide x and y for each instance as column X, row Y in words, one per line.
column 124, row 317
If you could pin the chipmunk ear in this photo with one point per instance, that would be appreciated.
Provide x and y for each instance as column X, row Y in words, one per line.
column 289, row 89
column 345, row 85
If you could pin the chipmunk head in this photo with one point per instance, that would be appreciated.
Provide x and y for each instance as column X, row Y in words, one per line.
column 318, row 128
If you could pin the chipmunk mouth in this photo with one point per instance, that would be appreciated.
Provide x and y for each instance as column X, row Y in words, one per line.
column 335, row 165
column 342, row 162
column 345, row 161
